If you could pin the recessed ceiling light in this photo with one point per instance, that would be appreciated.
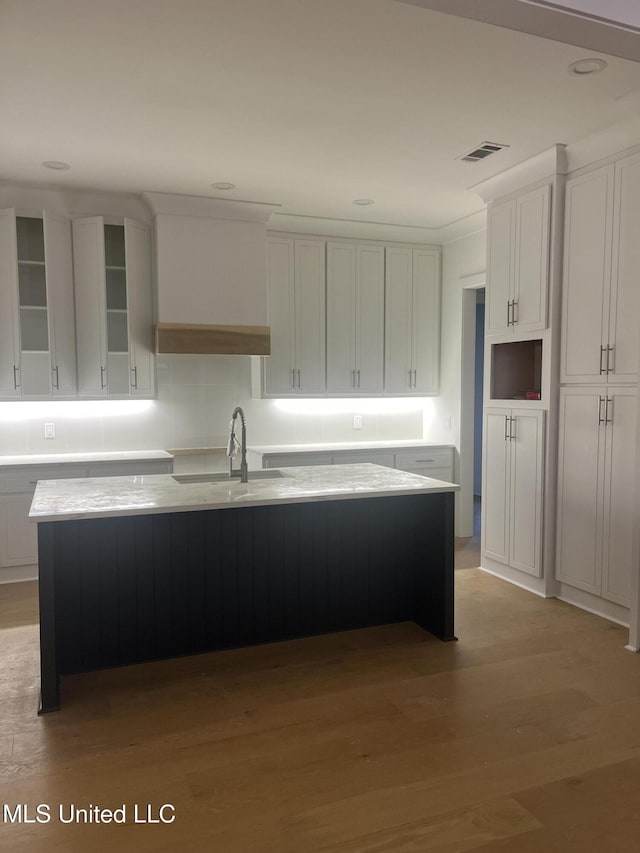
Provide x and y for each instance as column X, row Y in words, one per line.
column 58, row 165
column 363, row 201
column 223, row 185
column 587, row 66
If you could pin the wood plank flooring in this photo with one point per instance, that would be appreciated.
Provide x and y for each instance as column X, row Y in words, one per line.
column 523, row 736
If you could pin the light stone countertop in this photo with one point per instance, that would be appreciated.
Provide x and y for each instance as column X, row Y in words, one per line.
column 66, row 458
column 398, row 444
column 104, row 497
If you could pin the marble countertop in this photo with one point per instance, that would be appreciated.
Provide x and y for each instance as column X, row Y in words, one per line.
column 398, row 444
column 93, row 497
column 66, row 458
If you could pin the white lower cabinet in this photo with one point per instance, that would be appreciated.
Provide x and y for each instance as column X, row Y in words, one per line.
column 513, row 457
column 428, row 461
column 18, row 535
column 596, row 482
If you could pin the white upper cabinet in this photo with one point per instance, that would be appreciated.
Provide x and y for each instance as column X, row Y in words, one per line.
column 137, row 252
column 355, row 318
column 601, row 297
column 624, row 301
column 518, row 263
column 513, row 458
column 37, row 354
column 114, row 307
column 9, row 318
column 296, row 271
column 586, row 275
column 596, row 482
column 412, row 321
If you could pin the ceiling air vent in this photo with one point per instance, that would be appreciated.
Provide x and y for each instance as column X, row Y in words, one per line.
column 482, row 152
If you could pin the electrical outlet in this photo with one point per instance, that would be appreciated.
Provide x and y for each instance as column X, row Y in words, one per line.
column 357, row 421
column 49, row 430
column 446, row 422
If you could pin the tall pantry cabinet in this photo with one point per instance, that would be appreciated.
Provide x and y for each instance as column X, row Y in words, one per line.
column 599, row 372
column 520, row 235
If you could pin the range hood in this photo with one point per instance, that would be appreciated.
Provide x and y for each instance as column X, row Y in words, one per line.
column 211, row 275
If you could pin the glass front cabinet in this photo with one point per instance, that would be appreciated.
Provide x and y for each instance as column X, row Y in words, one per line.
column 114, row 308
column 37, row 328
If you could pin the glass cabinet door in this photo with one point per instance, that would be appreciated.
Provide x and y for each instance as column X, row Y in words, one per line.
column 33, row 310
column 117, row 310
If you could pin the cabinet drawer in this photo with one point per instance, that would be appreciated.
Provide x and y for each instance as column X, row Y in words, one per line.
column 124, row 469
column 353, row 457
column 445, row 474
column 23, row 482
column 294, row 460
column 428, row 457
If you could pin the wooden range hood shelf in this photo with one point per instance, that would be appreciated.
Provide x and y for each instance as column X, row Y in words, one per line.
column 217, row 340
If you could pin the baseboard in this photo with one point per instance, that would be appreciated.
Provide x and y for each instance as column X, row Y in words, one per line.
column 17, row 574
column 592, row 604
column 534, row 585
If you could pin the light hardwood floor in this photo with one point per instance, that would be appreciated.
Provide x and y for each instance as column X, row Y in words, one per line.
column 523, row 736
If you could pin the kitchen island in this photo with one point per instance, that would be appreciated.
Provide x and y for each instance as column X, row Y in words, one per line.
column 147, row 567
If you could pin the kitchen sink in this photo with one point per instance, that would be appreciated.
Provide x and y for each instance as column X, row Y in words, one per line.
column 225, row 478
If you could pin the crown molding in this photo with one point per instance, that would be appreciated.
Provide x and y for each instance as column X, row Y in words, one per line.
column 547, row 164
column 208, row 208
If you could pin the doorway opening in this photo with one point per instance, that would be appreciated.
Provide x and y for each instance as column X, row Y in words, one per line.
column 471, row 402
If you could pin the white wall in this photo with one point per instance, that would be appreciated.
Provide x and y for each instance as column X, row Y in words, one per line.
column 460, row 258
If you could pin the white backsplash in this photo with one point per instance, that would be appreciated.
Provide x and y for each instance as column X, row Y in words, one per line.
column 196, row 395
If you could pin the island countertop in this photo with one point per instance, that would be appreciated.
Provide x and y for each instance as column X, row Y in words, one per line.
column 104, row 497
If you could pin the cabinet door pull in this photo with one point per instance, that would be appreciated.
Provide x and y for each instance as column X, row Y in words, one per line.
column 298, row 371
column 134, row 381
column 506, row 428
column 514, row 305
column 293, row 378
column 609, row 360
column 512, row 434
column 415, row 377
column 417, row 461
column 602, row 367
column 56, row 381
column 601, row 420
column 607, row 419
column 508, row 313
column 358, row 372
column 103, row 373
column 16, row 370
column 410, row 372
column 353, row 378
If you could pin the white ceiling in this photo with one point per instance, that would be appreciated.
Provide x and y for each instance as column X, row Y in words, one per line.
column 307, row 103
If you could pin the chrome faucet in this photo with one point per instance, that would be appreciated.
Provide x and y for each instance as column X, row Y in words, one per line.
column 243, row 473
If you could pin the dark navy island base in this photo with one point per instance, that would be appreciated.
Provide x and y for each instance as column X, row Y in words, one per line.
column 128, row 589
